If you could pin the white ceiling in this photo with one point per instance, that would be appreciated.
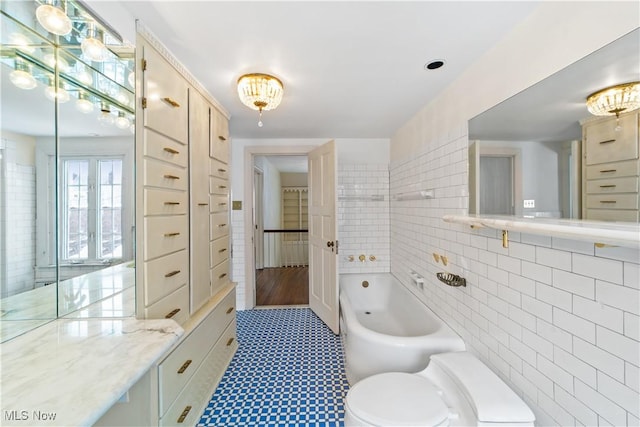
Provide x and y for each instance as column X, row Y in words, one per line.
column 289, row 164
column 350, row 69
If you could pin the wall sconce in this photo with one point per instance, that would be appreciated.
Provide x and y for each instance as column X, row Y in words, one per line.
column 21, row 75
column 84, row 104
column 53, row 18
column 92, row 46
column 60, row 93
column 105, row 118
column 122, row 121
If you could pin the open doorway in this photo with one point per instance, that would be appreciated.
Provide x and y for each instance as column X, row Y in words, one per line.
column 280, row 227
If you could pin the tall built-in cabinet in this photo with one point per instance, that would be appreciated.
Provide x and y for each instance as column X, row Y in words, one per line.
column 611, row 168
column 182, row 235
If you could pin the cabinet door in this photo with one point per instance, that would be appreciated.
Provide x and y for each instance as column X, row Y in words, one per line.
column 219, row 136
column 199, row 111
column 165, row 94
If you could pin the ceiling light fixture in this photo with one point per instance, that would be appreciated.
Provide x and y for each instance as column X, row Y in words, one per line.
column 21, row 75
column 614, row 100
column 53, row 18
column 260, row 92
column 92, row 46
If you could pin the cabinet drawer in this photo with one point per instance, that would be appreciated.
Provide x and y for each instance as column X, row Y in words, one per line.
column 612, row 201
column 218, row 168
column 157, row 174
column 176, row 369
column 614, row 170
column 219, row 275
column 219, row 225
column 219, row 250
column 164, row 202
column 189, row 405
column 166, row 93
column 219, row 147
column 613, row 185
column 164, row 275
column 164, row 235
column 218, row 186
column 219, row 203
column 174, row 306
column 160, row 147
column 613, row 215
column 604, row 144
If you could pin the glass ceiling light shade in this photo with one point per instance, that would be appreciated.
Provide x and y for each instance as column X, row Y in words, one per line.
column 92, row 46
column 21, row 76
column 53, row 19
column 615, row 100
column 260, row 92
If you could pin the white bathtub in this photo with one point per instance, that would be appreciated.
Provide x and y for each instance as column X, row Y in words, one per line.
column 386, row 329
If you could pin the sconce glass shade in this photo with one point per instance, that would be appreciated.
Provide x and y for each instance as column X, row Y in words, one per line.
column 22, row 42
column 93, row 47
column 84, row 104
column 51, row 60
column 21, row 77
column 105, row 118
column 60, row 94
column 84, row 76
column 615, row 100
column 53, row 19
column 122, row 121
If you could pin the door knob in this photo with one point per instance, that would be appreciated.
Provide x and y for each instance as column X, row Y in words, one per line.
column 329, row 244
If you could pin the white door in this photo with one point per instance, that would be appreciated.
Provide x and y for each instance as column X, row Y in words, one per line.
column 323, row 234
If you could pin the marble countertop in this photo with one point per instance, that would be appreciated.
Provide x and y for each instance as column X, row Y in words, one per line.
column 598, row 232
column 71, row 371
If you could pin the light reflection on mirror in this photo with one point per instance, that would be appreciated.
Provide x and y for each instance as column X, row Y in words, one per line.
column 529, row 146
column 66, row 186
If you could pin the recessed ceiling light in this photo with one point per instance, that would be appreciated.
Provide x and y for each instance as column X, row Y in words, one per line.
column 434, row 65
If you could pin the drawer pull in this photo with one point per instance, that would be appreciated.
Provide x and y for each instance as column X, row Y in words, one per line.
column 608, row 186
column 222, row 204
column 184, row 366
column 172, row 273
column 607, row 201
column 171, row 203
column 183, row 415
column 171, row 150
column 222, row 186
column 222, row 170
column 173, row 313
column 171, row 234
column 229, row 310
column 203, row 204
column 222, row 138
column 222, row 225
column 222, row 250
column 171, row 177
column 229, row 342
column 171, row 102
column 222, row 275
column 608, row 170
column 607, row 141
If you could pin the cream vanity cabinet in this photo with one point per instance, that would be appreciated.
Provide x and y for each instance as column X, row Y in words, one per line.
column 182, row 250
column 611, row 167
column 219, row 200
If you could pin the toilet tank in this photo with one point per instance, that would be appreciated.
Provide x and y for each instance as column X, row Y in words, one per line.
column 478, row 395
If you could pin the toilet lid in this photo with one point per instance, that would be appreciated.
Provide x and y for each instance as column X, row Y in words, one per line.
column 397, row 399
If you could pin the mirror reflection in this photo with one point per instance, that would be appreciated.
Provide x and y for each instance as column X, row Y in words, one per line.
column 66, row 168
column 537, row 154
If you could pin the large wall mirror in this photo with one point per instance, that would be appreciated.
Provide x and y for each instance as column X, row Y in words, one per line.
column 66, row 167
column 525, row 154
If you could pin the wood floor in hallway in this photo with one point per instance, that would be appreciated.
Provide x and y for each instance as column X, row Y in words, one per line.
column 282, row 286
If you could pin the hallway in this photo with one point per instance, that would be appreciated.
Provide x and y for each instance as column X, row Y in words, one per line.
column 288, row 371
column 282, row 286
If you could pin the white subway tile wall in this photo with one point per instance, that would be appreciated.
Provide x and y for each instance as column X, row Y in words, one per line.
column 557, row 319
column 363, row 218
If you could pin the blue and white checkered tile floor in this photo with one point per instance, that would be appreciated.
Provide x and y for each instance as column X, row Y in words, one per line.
column 288, row 371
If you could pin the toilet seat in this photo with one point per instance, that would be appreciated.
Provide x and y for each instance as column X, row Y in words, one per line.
column 397, row 399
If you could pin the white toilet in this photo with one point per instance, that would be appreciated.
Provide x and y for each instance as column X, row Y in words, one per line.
column 456, row 389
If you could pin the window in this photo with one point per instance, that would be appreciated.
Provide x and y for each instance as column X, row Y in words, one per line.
column 91, row 209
